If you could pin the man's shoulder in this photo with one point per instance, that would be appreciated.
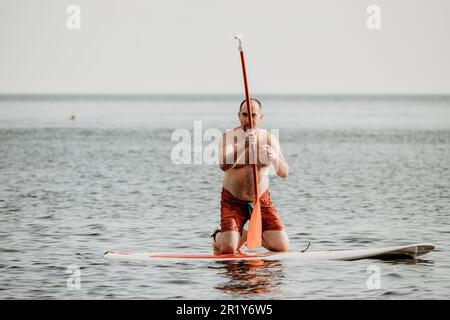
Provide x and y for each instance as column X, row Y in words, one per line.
column 230, row 132
column 266, row 133
column 271, row 135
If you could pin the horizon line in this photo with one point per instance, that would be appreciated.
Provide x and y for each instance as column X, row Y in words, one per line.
column 102, row 94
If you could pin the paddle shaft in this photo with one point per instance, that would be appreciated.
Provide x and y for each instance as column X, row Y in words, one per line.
column 250, row 121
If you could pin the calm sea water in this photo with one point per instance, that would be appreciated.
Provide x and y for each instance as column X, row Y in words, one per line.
column 365, row 172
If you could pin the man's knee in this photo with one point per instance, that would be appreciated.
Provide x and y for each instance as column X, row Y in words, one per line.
column 228, row 249
column 229, row 242
column 276, row 241
column 279, row 247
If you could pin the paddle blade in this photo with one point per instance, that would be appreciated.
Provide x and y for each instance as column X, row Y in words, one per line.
column 254, row 234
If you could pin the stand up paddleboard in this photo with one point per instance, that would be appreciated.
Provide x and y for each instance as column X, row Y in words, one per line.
column 389, row 253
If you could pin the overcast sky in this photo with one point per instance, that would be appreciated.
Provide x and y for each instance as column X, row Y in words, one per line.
column 187, row 46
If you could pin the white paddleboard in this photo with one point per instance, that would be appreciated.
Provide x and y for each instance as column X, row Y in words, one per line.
column 388, row 253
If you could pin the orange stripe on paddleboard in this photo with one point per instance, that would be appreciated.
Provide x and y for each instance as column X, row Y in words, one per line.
column 220, row 256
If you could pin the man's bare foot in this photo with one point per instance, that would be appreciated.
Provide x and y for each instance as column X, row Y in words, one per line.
column 216, row 250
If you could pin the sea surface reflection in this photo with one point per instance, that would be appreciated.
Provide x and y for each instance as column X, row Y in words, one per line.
column 250, row 276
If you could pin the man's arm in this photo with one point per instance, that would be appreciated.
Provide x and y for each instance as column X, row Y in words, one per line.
column 276, row 157
column 227, row 151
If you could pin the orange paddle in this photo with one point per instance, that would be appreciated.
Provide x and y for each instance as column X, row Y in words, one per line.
column 254, row 235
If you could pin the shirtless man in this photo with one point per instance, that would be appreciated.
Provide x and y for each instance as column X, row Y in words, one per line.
column 236, row 160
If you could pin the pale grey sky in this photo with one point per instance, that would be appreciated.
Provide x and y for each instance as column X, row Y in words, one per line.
column 187, row 46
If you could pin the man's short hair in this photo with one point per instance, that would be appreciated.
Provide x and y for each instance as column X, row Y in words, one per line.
column 254, row 99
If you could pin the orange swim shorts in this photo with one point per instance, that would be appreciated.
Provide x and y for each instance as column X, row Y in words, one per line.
column 235, row 213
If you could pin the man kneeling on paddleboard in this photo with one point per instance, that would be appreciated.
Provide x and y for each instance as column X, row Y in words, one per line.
column 237, row 194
